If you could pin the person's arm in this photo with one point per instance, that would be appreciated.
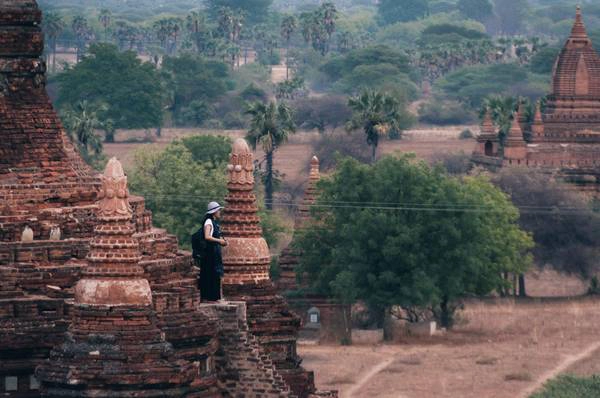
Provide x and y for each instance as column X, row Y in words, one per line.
column 208, row 229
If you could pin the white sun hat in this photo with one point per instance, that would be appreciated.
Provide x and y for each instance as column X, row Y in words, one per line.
column 213, row 207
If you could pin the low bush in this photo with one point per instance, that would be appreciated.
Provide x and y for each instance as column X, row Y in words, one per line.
column 568, row 386
column 440, row 112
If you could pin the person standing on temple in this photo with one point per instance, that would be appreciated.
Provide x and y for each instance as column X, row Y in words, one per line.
column 208, row 253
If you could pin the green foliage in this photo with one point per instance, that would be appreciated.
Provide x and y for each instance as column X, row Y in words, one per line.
column 270, row 126
column 510, row 15
column 453, row 29
column 568, row 240
column 466, row 134
column 256, row 10
column 378, row 114
column 389, row 253
column 479, row 10
column 472, row 84
column 375, row 68
column 442, row 112
column 211, row 151
column 322, row 113
column 391, row 11
column 191, row 78
column 130, row 89
column 543, row 60
column 568, row 386
column 81, row 123
column 176, row 187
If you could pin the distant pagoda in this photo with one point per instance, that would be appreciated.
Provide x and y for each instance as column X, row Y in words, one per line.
column 564, row 136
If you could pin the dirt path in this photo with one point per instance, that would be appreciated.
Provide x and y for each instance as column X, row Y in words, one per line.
column 351, row 393
column 560, row 368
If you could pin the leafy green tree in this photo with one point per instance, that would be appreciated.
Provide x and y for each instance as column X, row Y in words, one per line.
column 190, row 77
column 105, row 19
column 543, row 60
column 176, row 187
column 81, row 123
column 255, row 10
column 131, row 89
column 82, row 32
column 177, row 201
column 270, row 126
column 479, row 10
column 392, row 11
column 289, row 24
column 511, row 15
column 402, row 233
column 471, row 85
column 212, row 151
column 377, row 114
column 53, row 25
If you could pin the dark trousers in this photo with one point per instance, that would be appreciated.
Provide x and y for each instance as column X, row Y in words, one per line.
column 210, row 281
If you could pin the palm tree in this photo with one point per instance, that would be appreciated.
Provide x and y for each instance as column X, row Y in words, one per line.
column 105, row 19
column 378, row 114
column 53, row 26
column 81, row 123
column 288, row 27
column 82, row 32
column 270, row 126
column 195, row 23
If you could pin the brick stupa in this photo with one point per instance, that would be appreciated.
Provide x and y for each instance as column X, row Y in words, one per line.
column 565, row 135
column 114, row 346
column 289, row 258
column 246, row 260
column 96, row 287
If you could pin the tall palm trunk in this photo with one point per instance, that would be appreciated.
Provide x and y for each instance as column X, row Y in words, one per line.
column 373, row 153
column 269, row 182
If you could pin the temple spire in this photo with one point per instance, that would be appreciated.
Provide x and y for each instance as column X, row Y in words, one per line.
column 578, row 32
column 515, row 134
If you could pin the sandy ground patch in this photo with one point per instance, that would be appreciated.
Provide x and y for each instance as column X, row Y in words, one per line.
column 500, row 350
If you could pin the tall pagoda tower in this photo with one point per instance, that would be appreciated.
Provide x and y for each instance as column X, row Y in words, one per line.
column 246, row 260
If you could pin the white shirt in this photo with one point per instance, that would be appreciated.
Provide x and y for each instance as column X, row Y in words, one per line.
column 212, row 228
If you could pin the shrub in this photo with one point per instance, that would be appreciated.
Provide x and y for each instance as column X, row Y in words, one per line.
column 440, row 112
column 567, row 240
column 466, row 134
column 568, row 386
column 329, row 147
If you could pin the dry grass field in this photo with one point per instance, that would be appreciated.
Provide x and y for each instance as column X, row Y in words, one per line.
column 499, row 350
column 293, row 158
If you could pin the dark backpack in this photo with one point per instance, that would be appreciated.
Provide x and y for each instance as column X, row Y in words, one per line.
column 198, row 244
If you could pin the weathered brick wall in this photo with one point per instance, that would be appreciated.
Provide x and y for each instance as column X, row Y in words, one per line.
column 244, row 369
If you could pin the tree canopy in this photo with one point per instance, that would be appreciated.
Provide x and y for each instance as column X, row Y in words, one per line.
column 391, row 11
column 129, row 89
column 402, row 233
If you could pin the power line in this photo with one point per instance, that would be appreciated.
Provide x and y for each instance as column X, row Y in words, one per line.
column 398, row 206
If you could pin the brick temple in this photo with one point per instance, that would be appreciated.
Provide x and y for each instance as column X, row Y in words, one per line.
column 95, row 300
column 565, row 135
column 327, row 324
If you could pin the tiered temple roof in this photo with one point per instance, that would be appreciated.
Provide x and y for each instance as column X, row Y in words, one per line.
column 565, row 134
column 84, row 273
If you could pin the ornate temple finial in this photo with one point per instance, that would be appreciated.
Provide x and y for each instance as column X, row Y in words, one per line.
column 578, row 31
column 314, row 168
column 114, row 193
column 241, row 164
column 487, row 126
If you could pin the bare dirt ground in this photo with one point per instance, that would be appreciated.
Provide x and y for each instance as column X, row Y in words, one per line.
column 499, row 350
column 293, row 158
